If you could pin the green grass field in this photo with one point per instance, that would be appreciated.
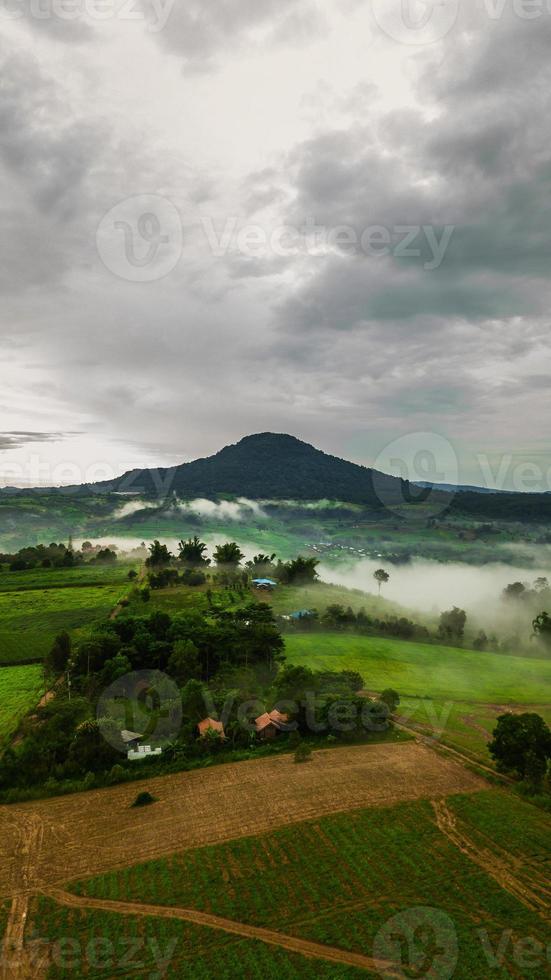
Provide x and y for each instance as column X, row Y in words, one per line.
column 338, row 880
column 61, row 578
column 425, row 669
column 467, row 726
column 20, row 690
column 36, row 605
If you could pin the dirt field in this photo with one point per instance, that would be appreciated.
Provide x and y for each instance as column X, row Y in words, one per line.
column 54, row 841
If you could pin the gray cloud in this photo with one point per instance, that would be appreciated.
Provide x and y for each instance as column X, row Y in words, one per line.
column 337, row 347
column 16, row 440
column 200, row 31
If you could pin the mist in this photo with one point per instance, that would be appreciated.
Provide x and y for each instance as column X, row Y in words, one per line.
column 431, row 587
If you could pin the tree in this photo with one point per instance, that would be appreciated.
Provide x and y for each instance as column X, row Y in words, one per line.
column 105, row 556
column 192, row 552
column 381, row 577
column 159, row 555
column 194, row 702
column 391, row 698
column 184, row 662
column 57, row 659
column 228, row 554
column 521, row 744
column 481, row 641
column 542, row 628
column 452, row 625
column 301, row 571
column 262, row 564
column 515, row 591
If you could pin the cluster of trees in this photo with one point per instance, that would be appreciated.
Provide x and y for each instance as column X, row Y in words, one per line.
column 227, row 559
column 57, row 556
column 339, row 617
column 538, row 592
column 64, row 740
column 41, row 556
column 522, row 746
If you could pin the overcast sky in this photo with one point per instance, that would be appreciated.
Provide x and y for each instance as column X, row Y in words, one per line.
column 153, row 309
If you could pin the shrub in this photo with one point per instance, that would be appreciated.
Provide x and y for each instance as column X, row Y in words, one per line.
column 144, row 799
column 303, row 753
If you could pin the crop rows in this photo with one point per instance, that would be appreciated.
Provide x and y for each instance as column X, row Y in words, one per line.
column 336, row 881
column 96, row 944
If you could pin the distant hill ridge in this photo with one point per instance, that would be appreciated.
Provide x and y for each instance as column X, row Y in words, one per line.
column 266, row 465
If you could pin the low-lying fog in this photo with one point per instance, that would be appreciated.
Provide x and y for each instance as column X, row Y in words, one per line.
column 432, row 586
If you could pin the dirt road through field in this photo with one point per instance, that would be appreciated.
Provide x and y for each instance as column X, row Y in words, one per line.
column 290, row 943
column 54, row 841
column 500, row 866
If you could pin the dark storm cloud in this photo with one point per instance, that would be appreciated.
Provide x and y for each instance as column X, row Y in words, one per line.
column 16, row 440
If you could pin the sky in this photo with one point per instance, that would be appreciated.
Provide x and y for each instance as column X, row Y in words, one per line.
column 322, row 217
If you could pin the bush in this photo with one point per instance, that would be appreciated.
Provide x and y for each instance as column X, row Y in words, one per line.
column 303, row 753
column 144, row 799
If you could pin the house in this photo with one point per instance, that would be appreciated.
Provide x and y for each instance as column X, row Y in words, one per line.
column 143, row 752
column 303, row 614
column 271, row 723
column 264, row 584
column 131, row 739
column 211, row 725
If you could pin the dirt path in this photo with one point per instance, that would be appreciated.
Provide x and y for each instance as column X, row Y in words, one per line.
column 498, row 866
column 89, row 833
column 290, row 943
column 29, row 835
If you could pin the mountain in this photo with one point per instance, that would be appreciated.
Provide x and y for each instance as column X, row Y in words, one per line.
column 263, row 466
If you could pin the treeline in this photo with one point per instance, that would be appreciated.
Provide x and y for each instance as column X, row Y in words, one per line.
column 56, row 556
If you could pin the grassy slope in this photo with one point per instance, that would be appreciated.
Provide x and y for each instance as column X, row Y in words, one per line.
column 340, row 878
column 421, row 669
column 20, row 690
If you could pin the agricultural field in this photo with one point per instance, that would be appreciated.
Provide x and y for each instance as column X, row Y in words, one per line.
column 104, row 943
column 20, row 690
column 426, row 669
column 341, row 878
column 36, row 605
column 74, row 836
